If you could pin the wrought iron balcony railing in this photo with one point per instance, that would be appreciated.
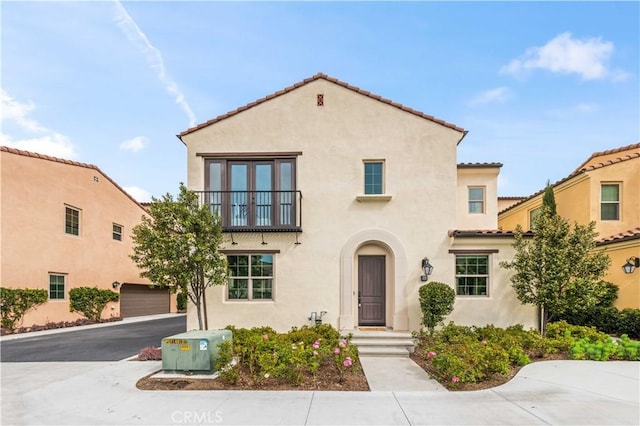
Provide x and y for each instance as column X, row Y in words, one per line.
column 256, row 211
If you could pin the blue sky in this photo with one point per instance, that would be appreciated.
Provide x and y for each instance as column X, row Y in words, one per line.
column 538, row 85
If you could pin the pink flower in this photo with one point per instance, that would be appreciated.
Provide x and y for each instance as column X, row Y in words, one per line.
column 316, row 344
column 455, row 379
column 347, row 362
column 342, row 343
column 484, row 342
column 431, row 355
column 315, row 353
column 336, row 351
column 265, row 337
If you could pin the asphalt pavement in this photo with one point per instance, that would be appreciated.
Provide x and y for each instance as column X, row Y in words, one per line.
column 100, row 342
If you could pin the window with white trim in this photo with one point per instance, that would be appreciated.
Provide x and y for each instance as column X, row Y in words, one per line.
column 472, row 274
column 476, row 199
column 610, row 201
column 373, row 177
column 117, row 232
column 250, row 277
column 71, row 221
column 56, row 286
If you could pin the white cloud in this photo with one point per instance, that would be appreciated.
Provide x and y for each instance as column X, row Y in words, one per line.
column 566, row 55
column 141, row 195
column 39, row 139
column 499, row 94
column 153, row 57
column 136, row 144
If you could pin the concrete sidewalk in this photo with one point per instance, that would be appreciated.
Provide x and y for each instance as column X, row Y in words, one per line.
column 552, row 392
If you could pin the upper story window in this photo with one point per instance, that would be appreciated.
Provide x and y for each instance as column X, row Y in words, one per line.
column 472, row 274
column 373, row 177
column 476, row 199
column 250, row 277
column 253, row 192
column 533, row 214
column 610, row 201
column 71, row 220
column 117, row 232
column 56, row 286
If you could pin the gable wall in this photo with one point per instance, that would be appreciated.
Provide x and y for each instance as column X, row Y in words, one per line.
column 34, row 243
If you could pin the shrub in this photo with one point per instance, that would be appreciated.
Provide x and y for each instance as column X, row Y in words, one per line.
column 436, row 302
column 15, row 302
column 181, row 301
column 288, row 356
column 150, row 353
column 629, row 322
column 90, row 301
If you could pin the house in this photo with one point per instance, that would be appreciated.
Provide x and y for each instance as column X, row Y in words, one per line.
column 66, row 224
column 333, row 199
column 603, row 189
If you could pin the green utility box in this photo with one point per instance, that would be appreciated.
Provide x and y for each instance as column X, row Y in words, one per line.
column 193, row 351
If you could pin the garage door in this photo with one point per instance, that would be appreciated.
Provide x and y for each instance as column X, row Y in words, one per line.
column 137, row 299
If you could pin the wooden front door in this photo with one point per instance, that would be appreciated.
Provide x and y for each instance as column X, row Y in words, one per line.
column 371, row 290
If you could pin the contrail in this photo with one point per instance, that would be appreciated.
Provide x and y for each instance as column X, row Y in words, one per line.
column 153, row 56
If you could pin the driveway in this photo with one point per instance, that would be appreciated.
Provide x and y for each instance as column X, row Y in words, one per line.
column 111, row 342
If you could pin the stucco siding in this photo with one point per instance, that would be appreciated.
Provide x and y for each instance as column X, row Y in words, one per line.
column 35, row 192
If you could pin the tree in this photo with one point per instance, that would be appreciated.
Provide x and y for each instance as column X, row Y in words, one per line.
column 436, row 302
column 90, row 301
column 549, row 199
column 558, row 268
column 178, row 247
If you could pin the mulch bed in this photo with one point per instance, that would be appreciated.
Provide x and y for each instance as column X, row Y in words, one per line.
column 419, row 358
column 327, row 378
column 55, row 325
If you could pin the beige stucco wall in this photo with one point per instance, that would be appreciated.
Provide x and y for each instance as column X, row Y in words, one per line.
column 320, row 273
column 578, row 200
column 628, row 284
column 34, row 243
column 501, row 306
column 486, row 178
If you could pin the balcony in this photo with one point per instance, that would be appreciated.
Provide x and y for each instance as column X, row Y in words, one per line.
column 256, row 211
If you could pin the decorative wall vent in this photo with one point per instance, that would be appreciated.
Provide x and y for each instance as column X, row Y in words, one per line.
column 320, row 99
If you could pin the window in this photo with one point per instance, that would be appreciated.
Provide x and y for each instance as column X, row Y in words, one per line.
column 472, row 274
column 533, row 214
column 250, row 277
column 117, row 232
column 476, row 199
column 373, row 177
column 610, row 201
column 248, row 193
column 56, row 286
column 71, row 221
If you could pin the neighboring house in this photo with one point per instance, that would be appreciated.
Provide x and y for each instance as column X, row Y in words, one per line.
column 66, row 224
column 603, row 189
column 332, row 199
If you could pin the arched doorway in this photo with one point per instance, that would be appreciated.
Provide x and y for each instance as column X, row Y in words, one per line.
column 372, row 281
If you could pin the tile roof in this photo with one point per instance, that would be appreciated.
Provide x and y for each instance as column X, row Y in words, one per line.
column 483, row 233
column 583, row 169
column 69, row 162
column 479, row 165
column 513, row 197
column 607, row 152
column 309, row 80
column 631, row 234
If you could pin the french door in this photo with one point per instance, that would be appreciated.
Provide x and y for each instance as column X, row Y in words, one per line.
column 253, row 193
